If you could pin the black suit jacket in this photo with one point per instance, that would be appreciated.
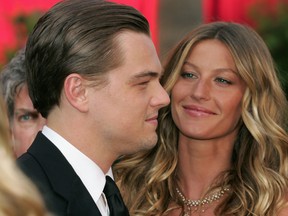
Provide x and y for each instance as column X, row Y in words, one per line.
column 63, row 191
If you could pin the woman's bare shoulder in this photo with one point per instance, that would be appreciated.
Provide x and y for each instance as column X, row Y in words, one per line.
column 283, row 211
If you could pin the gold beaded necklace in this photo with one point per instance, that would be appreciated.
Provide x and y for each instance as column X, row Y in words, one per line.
column 200, row 204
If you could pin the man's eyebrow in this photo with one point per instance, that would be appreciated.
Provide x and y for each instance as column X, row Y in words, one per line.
column 144, row 74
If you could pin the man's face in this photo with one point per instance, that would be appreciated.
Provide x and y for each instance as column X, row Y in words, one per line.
column 125, row 111
column 26, row 122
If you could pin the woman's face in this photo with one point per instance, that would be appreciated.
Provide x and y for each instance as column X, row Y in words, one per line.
column 206, row 99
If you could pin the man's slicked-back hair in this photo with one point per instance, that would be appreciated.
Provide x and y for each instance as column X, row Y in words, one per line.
column 76, row 36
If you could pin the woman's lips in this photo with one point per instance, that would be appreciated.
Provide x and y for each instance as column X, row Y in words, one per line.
column 198, row 111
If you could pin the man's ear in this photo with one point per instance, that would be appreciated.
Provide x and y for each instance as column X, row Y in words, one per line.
column 75, row 90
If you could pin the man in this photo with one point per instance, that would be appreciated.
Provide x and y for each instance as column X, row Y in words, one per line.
column 93, row 72
column 24, row 120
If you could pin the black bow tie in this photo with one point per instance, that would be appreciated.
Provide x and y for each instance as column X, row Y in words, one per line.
column 114, row 199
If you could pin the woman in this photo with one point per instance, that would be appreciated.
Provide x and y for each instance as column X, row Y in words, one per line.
column 222, row 145
column 17, row 194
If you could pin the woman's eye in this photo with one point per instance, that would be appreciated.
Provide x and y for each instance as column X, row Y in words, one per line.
column 222, row 80
column 188, row 75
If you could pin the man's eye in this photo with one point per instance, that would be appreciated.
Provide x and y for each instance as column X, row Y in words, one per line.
column 144, row 83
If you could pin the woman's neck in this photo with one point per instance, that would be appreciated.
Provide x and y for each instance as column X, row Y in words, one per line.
column 200, row 162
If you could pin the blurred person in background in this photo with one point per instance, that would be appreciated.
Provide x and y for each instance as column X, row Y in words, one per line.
column 18, row 196
column 24, row 121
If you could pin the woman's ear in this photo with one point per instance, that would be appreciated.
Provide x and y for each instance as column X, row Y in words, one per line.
column 75, row 90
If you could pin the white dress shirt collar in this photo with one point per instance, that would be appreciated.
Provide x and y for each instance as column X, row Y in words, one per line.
column 89, row 172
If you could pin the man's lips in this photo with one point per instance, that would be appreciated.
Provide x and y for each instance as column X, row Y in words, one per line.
column 153, row 120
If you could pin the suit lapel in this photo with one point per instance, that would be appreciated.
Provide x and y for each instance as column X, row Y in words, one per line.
column 80, row 203
column 63, row 178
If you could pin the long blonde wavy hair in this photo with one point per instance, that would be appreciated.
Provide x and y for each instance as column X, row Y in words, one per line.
column 18, row 196
column 259, row 172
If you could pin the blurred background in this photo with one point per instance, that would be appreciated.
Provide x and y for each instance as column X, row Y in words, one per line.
column 169, row 20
